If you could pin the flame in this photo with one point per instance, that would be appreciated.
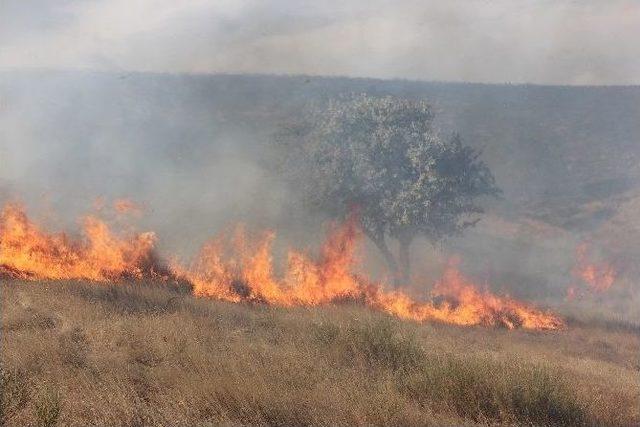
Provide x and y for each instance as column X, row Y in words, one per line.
column 237, row 268
column 247, row 275
column 596, row 276
column 127, row 206
column 27, row 252
column 247, row 272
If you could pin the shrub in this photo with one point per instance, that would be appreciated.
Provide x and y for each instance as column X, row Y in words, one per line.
column 487, row 390
column 378, row 343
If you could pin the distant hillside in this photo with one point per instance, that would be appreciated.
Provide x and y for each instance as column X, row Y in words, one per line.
column 553, row 149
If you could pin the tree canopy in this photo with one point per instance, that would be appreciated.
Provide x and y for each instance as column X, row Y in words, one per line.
column 384, row 157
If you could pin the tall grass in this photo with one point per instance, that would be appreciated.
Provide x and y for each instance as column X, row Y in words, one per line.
column 486, row 390
column 80, row 354
column 480, row 389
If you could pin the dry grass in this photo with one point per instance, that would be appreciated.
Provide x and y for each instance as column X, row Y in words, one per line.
column 82, row 354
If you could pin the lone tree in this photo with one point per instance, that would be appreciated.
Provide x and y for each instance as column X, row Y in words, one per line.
column 383, row 157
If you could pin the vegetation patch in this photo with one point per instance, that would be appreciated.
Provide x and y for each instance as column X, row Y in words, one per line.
column 485, row 390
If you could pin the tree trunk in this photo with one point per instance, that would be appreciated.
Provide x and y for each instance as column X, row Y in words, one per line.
column 392, row 264
column 405, row 259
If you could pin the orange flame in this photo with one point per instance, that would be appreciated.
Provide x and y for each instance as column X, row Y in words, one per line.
column 237, row 269
column 27, row 252
column 127, row 206
column 596, row 276
column 247, row 275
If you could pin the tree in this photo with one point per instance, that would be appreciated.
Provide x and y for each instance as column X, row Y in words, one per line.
column 383, row 157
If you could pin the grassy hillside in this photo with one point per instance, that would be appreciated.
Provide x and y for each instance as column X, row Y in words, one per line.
column 80, row 354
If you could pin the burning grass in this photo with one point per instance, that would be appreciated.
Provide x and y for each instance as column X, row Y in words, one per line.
column 592, row 276
column 29, row 253
column 239, row 269
column 131, row 354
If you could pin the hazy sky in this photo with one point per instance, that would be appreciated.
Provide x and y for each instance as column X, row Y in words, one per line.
column 541, row 41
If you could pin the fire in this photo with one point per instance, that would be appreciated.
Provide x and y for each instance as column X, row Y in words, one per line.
column 237, row 268
column 247, row 275
column 127, row 206
column 462, row 303
column 596, row 276
column 27, row 252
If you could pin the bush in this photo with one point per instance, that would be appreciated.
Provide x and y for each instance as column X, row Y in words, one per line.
column 486, row 390
column 378, row 343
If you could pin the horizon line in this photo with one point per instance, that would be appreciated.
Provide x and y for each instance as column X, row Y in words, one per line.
column 307, row 76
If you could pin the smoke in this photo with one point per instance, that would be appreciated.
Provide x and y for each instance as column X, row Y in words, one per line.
column 189, row 148
column 547, row 42
column 68, row 138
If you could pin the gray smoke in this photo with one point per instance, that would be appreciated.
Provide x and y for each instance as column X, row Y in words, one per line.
column 532, row 41
column 145, row 125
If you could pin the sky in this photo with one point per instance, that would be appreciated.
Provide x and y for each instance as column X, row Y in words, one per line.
column 515, row 41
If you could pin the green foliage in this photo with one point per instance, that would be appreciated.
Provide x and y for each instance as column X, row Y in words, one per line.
column 384, row 158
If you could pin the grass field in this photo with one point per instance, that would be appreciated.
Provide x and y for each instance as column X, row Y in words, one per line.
column 86, row 354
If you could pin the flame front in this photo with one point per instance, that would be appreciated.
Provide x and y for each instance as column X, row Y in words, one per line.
column 27, row 252
column 247, row 275
column 238, row 269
